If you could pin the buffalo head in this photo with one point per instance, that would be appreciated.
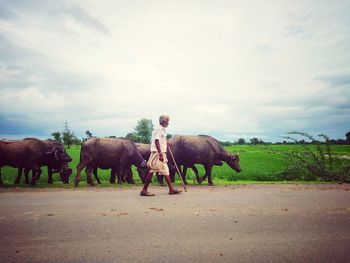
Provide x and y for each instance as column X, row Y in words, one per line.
column 59, row 160
column 65, row 173
column 234, row 162
column 58, row 155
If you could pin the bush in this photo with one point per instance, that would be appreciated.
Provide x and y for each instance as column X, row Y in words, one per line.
column 314, row 161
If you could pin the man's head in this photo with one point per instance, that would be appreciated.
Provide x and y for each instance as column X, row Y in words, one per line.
column 164, row 120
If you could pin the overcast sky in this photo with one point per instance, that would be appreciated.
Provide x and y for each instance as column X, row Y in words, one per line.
column 229, row 69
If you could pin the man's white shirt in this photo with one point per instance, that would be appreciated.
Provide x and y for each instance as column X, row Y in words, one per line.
column 159, row 134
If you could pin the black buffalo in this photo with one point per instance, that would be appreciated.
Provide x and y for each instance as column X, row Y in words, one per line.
column 108, row 153
column 202, row 149
column 61, row 167
column 31, row 154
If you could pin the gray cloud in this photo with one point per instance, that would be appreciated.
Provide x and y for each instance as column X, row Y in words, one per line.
column 84, row 18
column 5, row 13
column 22, row 67
column 219, row 68
column 335, row 80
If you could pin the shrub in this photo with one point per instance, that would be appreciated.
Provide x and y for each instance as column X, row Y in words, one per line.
column 314, row 161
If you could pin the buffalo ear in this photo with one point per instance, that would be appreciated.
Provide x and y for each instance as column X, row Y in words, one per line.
column 54, row 151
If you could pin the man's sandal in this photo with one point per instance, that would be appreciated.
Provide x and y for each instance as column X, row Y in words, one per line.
column 146, row 194
column 175, row 192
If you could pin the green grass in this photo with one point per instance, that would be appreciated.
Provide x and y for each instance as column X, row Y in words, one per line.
column 258, row 163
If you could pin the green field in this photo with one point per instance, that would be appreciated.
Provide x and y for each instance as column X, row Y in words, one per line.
column 257, row 162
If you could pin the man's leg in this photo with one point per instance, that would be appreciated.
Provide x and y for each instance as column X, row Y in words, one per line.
column 172, row 191
column 148, row 180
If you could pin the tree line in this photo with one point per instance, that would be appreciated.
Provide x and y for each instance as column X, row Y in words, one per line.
column 255, row 141
column 142, row 133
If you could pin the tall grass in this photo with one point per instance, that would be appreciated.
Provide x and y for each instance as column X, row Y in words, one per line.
column 258, row 163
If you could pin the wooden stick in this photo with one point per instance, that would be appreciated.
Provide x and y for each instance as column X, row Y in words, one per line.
column 177, row 168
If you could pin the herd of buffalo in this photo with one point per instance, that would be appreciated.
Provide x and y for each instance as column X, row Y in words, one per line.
column 119, row 155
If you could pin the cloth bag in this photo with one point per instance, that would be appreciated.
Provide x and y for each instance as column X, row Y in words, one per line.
column 154, row 163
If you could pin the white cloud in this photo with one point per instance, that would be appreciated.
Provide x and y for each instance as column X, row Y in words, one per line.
column 216, row 67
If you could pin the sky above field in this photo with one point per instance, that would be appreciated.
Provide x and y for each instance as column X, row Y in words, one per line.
column 230, row 69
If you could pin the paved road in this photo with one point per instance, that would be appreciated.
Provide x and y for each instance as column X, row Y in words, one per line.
column 266, row 223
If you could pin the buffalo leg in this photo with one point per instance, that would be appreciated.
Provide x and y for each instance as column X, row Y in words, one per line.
column 49, row 175
column 195, row 170
column 112, row 178
column 19, row 175
column 182, row 176
column 129, row 176
column 80, row 167
column 35, row 171
column 141, row 173
column 89, row 180
column 94, row 171
column 36, row 175
column 26, row 175
column 208, row 169
column 184, row 171
column 172, row 173
column 122, row 175
column 39, row 174
column 160, row 179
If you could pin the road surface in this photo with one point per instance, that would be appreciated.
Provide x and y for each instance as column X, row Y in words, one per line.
column 252, row 223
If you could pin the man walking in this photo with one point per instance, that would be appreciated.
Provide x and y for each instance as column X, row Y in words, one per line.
column 158, row 161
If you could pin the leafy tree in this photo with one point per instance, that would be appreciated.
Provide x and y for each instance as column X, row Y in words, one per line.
column 254, row 141
column 57, row 136
column 241, row 141
column 341, row 141
column 143, row 131
column 88, row 134
column 68, row 137
column 347, row 137
column 226, row 143
column 133, row 137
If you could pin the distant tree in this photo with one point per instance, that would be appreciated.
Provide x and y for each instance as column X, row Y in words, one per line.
column 143, row 130
column 133, row 137
column 254, row 141
column 168, row 136
column 347, row 137
column 315, row 141
column 68, row 137
column 302, row 142
column 341, row 141
column 88, row 134
column 332, row 141
column 241, row 141
column 226, row 143
column 57, row 136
